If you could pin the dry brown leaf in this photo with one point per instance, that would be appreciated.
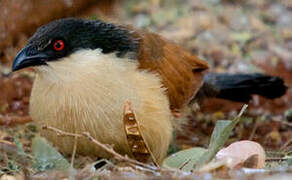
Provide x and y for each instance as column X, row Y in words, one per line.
column 8, row 146
column 137, row 143
column 14, row 120
column 243, row 154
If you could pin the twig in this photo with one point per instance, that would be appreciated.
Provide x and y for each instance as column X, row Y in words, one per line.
column 286, row 145
column 184, row 164
column 106, row 147
column 116, row 155
column 74, row 148
column 244, row 46
column 60, row 132
column 63, row 133
column 74, row 151
column 276, row 159
column 14, row 120
column 283, row 122
column 253, row 130
column 242, row 110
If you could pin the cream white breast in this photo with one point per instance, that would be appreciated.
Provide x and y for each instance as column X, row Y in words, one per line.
column 87, row 91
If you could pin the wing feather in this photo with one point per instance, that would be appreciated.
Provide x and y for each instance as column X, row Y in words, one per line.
column 180, row 71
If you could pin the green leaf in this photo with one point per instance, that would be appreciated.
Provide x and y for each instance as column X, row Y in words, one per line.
column 12, row 166
column 46, row 157
column 185, row 159
column 220, row 125
column 19, row 146
column 241, row 37
column 288, row 160
column 219, row 136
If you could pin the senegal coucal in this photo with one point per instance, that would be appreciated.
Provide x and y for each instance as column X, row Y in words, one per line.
column 87, row 69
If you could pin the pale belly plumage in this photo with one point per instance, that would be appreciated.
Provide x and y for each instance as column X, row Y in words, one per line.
column 90, row 98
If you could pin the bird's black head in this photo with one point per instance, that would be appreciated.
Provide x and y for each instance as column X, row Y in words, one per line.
column 65, row 36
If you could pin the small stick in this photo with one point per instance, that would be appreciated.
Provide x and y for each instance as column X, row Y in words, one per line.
column 184, row 164
column 14, row 120
column 74, row 151
column 282, row 122
column 253, row 130
column 106, row 147
column 63, row 133
column 116, row 155
column 242, row 110
column 286, row 144
column 60, row 132
column 276, row 159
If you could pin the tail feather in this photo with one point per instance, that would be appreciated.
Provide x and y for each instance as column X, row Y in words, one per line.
column 241, row 87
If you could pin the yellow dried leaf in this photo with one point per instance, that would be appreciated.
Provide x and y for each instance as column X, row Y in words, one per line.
column 136, row 141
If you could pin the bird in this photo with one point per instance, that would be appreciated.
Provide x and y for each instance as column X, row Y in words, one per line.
column 85, row 71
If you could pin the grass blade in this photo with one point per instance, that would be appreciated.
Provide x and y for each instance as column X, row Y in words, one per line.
column 219, row 136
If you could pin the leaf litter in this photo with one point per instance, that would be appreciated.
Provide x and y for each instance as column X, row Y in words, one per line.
column 234, row 36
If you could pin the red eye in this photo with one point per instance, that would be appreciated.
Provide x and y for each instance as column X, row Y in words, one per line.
column 59, row 45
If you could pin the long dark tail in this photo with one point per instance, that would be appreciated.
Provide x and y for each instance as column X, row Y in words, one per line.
column 241, row 87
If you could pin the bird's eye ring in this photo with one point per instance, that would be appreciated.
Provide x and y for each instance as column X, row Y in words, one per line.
column 59, row 45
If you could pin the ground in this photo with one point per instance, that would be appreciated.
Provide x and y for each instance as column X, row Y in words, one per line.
column 232, row 35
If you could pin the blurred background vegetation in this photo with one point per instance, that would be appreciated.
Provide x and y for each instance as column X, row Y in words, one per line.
column 232, row 35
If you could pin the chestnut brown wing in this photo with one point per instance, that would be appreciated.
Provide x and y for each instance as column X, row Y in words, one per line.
column 180, row 71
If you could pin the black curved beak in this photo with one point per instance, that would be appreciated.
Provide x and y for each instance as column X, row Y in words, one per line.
column 28, row 57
